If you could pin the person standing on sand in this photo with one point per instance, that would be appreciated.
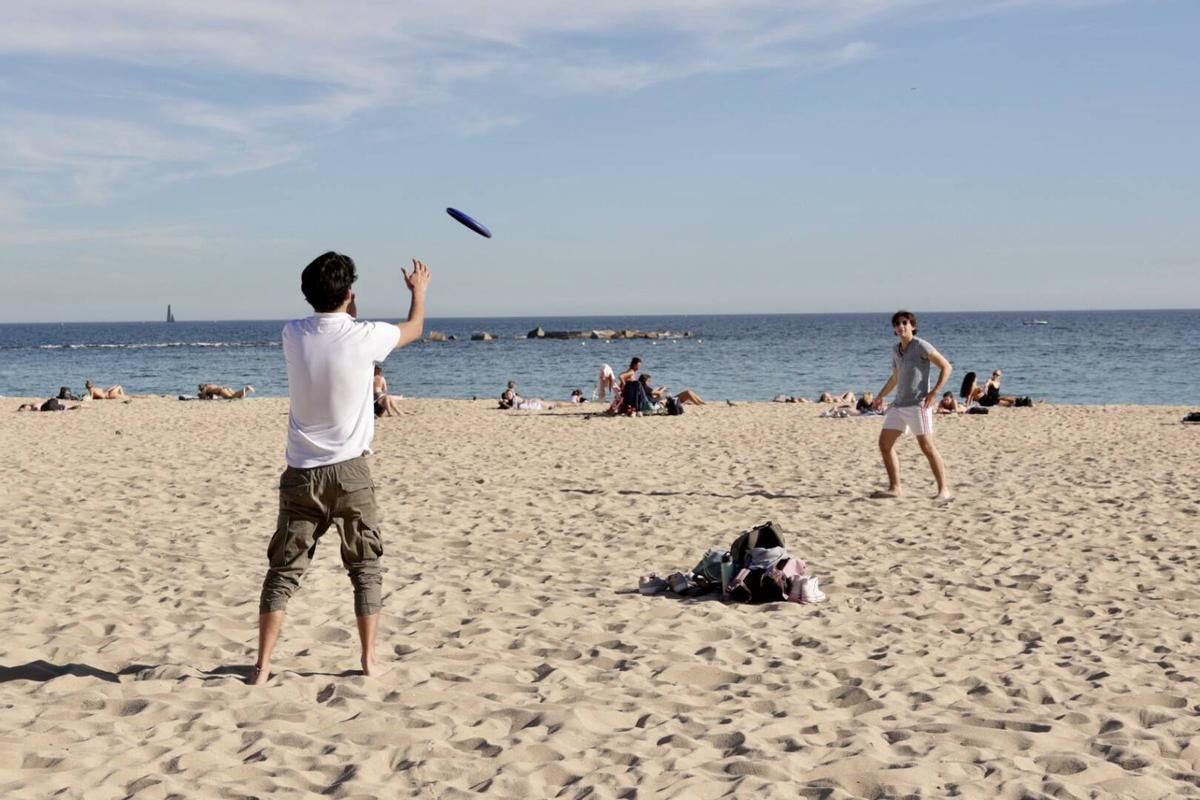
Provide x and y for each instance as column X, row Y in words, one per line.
column 913, row 407
column 330, row 362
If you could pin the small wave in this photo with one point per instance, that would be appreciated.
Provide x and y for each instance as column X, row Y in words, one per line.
column 141, row 345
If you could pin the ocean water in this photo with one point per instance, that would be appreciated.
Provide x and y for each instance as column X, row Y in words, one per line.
column 1091, row 357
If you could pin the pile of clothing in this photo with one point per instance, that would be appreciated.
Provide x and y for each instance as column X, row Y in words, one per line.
column 756, row 568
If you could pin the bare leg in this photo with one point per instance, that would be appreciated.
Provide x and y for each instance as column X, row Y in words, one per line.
column 366, row 633
column 935, row 463
column 392, row 407
column 269, row 626
column 688, row 396
column 887, row 448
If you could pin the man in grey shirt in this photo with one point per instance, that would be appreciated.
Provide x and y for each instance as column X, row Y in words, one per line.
column 913, row 407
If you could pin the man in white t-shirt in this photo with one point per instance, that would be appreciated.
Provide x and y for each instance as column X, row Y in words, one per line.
column 330, row 362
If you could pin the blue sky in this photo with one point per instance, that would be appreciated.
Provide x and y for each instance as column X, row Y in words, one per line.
column 657, row 156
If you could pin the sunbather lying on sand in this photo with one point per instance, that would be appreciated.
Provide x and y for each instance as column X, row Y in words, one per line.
column 208, row 391
column 510, row 399
column 111, row 393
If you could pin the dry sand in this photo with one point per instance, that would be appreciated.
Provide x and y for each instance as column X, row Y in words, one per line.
column 1034, row 638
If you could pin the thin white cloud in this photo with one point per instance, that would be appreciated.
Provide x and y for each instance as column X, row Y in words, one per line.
column 228, row 86
column 175, row 239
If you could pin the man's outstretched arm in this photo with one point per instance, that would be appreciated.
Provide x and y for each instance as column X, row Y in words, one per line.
column 416, row 281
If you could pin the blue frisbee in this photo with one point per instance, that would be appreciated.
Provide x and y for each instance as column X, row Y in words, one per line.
column 470, row 223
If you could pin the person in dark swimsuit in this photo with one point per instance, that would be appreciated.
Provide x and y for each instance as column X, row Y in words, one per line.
column 991, row 393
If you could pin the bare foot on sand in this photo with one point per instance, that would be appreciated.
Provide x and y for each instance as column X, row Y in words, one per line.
column 373, row 669
column 943, row 497
column 885, row 494
column 259, row 676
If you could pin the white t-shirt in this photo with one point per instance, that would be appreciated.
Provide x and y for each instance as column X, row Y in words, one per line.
column 331, row 365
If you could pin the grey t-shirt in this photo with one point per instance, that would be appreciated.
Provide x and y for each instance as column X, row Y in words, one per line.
column 912, row 372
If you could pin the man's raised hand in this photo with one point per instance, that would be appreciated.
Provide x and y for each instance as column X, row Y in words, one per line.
column 418, row 279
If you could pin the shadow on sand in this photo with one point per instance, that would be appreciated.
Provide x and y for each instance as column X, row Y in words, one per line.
column 43, row 671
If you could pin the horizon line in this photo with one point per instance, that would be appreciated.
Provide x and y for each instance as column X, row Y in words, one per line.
column 386, row 317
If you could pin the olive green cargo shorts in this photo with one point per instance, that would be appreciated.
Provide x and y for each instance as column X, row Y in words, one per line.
column 310, row 501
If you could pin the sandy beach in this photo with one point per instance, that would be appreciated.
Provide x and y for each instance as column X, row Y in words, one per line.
column 1034, row 638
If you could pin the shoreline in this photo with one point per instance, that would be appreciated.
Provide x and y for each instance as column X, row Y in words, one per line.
column 258, row 397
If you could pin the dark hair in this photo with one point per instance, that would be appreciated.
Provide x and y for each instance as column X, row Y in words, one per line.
column 645, row 378
column 326, row 281
column 378, row 370
column 908, row 315
column 968, row 380
column 636, row 362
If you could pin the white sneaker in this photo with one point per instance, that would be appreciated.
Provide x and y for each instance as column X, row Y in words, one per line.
column 810, row 590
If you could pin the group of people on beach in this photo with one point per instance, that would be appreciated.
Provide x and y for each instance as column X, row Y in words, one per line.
column 971, row 399
column 90, row 392
column 633, row 394
column 327, row 481
column 987, row 396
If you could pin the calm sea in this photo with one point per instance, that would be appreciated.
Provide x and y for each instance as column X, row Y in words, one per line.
column 1145, row 357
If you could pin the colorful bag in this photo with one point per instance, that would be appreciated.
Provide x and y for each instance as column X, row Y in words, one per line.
column 763, row 570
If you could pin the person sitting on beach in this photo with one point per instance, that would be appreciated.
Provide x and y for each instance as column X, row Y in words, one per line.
column 948, row 405
column 629, row 374
column 111, row 393
column 385, row 404
column 864, row 404
column 510, row 399
column 577, row 396
column 209, row 391
column 637, row 398
column 624, row 379
column 991, row 393
column 970, row 391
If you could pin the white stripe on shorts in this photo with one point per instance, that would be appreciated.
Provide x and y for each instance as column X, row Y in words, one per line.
column 909, row 419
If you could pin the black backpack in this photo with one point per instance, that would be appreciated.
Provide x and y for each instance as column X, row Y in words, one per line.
column 65, row 393
column 674, row 407
column 53, row 404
